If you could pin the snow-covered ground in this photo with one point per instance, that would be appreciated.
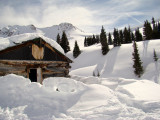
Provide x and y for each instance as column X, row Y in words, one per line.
column 116, row 95
column 79, row 98
column 118, row 62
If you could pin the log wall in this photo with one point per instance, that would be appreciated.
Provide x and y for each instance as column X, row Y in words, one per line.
column 48, row 68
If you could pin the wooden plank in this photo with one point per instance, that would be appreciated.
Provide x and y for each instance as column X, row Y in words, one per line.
column 56, row 68
column 52, row 72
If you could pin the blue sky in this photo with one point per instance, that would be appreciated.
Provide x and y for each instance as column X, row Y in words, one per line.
column 88, row 15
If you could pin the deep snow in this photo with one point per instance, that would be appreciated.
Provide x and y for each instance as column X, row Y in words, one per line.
column 116, row 95
column 118, row 62
column 79, row 98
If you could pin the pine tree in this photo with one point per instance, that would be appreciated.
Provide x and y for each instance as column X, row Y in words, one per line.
column 116, row 41
column 110, row 39
column 58, row 39
column 119, row 41
column 121, row 36
column 125, row 32
column 138, row 35
column 147, row 30
column 127, row 35
column 158, row 26
column 155, row 29
column 153, row 23
column 97, row 39
column 93, row 39
column 103, row 40
column 155, row 56
column 132, row 37
column 138, row 68
column 64, row 42
column 85, row 42
column 76, row 50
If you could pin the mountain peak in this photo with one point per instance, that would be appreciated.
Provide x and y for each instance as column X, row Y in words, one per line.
column 50, row 32
column 66, row 26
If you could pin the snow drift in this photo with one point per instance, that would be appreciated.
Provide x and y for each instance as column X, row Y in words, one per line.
column 82, row 98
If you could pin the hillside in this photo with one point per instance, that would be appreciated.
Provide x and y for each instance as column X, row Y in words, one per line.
column 116, row 95
column 118, row 62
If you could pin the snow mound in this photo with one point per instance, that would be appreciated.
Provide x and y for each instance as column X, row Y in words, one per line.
column 81, row 98
column 62, row 84
column 37, row 101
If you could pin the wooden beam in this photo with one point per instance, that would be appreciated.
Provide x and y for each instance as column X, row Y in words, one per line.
column 28, row 62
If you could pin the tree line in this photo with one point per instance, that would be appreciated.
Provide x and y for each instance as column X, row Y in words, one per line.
column 125, row 36
column 150, row 31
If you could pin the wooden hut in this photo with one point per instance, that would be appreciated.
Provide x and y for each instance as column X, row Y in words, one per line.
column 33, row 56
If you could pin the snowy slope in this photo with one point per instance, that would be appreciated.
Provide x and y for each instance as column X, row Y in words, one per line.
column 118, row 62
column 79, row 98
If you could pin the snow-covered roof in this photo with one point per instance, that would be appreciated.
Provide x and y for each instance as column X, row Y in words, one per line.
column 18, row 39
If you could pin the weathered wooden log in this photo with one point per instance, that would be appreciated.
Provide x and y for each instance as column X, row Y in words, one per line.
column 56, row 68
column 32, row 62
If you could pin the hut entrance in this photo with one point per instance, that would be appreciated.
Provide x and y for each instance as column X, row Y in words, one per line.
column 33, row 75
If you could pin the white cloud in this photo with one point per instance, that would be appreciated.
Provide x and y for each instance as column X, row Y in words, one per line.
column 88, row 14
column 10, row 17
column 75, row 15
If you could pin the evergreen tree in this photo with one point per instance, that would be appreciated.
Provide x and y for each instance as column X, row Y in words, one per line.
column 132, row 37
column 85, row 42
column 155, row 29
column 121, row 36
column 127, row 35
column 58, row 39
column 155, row 32
column 153, row 23
column 110, row 39
column 138, row 68
column 116, row 41
column 97, row 39
column 158, row 26
column 138, row 35
column 125, row 32
column 64, row 42
column 103, row 40
column 147, row 30
column 155, row 56
column 119, row 41
column 93, row 39
column 76, row 50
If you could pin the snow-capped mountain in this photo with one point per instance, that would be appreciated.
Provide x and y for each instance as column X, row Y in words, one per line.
column 73, row 33
column 16, row 29
column 50, row 32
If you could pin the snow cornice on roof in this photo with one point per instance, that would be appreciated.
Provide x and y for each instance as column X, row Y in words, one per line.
column 18, row 39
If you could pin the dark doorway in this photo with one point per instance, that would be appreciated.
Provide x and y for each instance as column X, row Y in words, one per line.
column 33, row 75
